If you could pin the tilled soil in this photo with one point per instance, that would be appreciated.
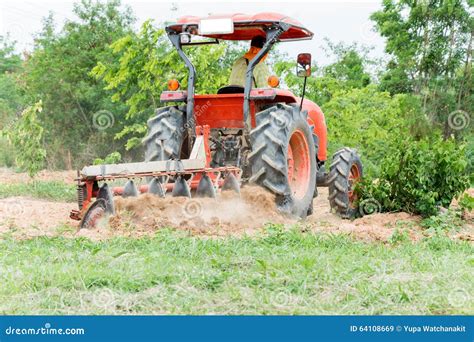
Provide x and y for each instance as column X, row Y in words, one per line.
column 229, row 215
column 27, row 217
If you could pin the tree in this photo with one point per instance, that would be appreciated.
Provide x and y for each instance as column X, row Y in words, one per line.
column 74, row 102
column 371, row 121
column 11, row 97
column 430, row 44
column 350, row 70
column 350, row 66
column 26, row 135
column 10, row 61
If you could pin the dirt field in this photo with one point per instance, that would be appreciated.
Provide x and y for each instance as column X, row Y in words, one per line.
column 8, row 176
column 27, row 217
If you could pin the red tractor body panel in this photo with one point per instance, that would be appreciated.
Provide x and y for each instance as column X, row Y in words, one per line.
column 317, row 119
column 226, row 111
column 221, row 110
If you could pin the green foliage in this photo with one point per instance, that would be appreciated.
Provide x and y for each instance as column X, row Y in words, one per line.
column 112, row 158
column 11, row 98
column 418, row 177
column 430, row 44
column 466, row 202
column 10, row 61
column 11, row 102
column 469, row 141
column 443, row 223
column 426, row 38
column 399, row 236
column 26, row 135
column 350, row 70
column 370, row 121
column 319, row 89
column 58, row 73
column 350, row 66
column 347, row 72
column 7, row 153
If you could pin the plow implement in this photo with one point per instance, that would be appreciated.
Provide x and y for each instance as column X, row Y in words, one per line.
column 185, row 178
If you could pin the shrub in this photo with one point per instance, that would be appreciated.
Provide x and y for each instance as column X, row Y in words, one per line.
column 26, row 136
column 7, row 153
column 112, row 158
column 372, row 122
column 466, row 203
column 443, row 223
column 419, row 176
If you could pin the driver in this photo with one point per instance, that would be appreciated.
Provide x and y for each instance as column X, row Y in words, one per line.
column 260, row 72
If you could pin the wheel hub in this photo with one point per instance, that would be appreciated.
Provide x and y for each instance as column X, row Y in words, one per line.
column 354, row 176
column 298, row 163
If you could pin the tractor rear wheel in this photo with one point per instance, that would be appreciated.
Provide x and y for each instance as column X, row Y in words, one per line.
column 283, row 158
column 345, row 171
column 165, row 134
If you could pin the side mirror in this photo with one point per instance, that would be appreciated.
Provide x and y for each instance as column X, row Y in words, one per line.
column 303, row 65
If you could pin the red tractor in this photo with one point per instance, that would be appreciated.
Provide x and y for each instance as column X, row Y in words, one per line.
column 206, row 143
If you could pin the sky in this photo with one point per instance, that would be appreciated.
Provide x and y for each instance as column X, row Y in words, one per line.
column 340, row 21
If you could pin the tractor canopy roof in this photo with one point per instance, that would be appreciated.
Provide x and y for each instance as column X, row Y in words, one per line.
column 240, row 26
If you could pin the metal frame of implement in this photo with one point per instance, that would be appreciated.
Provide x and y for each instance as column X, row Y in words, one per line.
column 168, row 175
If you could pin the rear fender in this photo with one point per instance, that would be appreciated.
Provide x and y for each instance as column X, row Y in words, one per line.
column 316, row 118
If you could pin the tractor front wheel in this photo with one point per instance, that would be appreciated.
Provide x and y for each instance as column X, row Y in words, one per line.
column 345, row 171
column 283, row 158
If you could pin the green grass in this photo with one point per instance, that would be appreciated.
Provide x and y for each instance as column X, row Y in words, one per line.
column 51, row 190
column 276, row 273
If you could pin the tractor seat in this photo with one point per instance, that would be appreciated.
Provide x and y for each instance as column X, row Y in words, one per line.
column 231, row 89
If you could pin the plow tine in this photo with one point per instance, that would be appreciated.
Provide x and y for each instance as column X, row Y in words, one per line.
column 94, row 214
column 231, row 183
column 181, row 188
column 130, row 190
column 106, row 194
column 205, row 187
column 155, row 188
